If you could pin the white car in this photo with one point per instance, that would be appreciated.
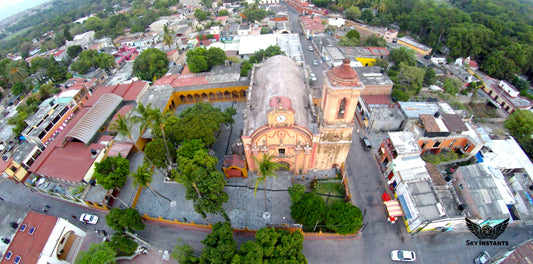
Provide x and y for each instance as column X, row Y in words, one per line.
column 403, row 255
column 312, row 76
column 89, row 219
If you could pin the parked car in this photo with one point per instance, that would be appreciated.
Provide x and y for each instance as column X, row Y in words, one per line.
column 315, row 62
column 312, row 76
column 482, row 258
column 403, row 255
column 311, row 48
column 89, row 219
column 365, row 142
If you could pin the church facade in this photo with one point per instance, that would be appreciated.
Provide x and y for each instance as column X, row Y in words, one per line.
column 280, row 119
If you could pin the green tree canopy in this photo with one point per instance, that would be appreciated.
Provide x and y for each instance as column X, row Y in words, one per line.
column 184, row 253
column 123, row 244
column 200, row 14
column 124, row 219
column 353, row 13
column 403, row 55
column 344, row 218
column 374, row 41
column 97, row 253
column 351, row 39
column 112, row 172
column 151, row 64
column 309, row 210
column 201, row 59
column 91, row 59
column 520, row 124
column 222, row 12
column 261, row 54
column 219, row 245
column 73, row 51
column 253, row 13
column 296, row 192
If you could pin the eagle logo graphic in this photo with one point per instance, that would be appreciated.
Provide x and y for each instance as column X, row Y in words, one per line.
column 490, row 229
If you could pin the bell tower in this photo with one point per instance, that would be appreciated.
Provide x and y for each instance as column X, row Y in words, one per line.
column 340, row 95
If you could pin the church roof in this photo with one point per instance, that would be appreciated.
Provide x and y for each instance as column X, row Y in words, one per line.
column 278, row 76
column 344, row 75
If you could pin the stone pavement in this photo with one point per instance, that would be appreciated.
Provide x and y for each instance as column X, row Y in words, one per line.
column 245, row 209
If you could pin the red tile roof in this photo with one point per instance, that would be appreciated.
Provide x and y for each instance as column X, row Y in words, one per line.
column 59, row 53
column 29, row 247
column 122, row 148
column 69, row 162
column 128, row 92
column 171, row 52
column 234, row 160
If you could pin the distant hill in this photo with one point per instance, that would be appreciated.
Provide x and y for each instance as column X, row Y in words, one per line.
column 7, row 10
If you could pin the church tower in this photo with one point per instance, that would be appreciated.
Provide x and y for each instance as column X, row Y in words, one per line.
column 340, row 95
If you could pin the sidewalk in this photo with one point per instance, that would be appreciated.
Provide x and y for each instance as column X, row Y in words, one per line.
column 153, row 256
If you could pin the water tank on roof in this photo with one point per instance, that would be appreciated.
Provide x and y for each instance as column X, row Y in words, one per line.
column 437, row 114
column 93, row 152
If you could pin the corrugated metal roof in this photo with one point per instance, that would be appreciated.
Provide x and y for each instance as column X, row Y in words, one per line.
column 91, row 122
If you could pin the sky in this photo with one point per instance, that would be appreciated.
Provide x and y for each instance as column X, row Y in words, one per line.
column 11, row 7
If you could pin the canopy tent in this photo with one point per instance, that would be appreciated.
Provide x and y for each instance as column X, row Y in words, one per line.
column 393, row 207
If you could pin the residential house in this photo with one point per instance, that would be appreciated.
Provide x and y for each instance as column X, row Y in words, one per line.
column 124, row 53
column 44, row 239
column 311, row 25
column 364, row 30
column 423, row 204
column 420, row 48
column 60, row 55
column 503, row 94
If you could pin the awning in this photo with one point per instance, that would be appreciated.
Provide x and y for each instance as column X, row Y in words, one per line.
column 393, row 207
column 122, row 148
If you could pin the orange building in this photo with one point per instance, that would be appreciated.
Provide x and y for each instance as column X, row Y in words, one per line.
column 280, row 119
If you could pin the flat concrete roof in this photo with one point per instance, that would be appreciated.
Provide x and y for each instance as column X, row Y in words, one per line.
column 373, row 75
column 405, row 143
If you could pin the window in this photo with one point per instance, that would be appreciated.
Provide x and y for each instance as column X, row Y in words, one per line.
column 340, row 114
column 17, row 259
column 9, row 254
column 281, row 152
column 23, row 228
column 436, row 144
column 32, row 230
column 467, row 146
column 451, row 143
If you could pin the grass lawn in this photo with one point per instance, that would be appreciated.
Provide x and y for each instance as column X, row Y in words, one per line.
column 333, row 189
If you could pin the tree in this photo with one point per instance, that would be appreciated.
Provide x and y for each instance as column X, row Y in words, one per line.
column 309, row 211
column 296, row 192
column 167, row 36
column 367, row 15
column 151, row 64
column 143, row 177
column 499, row 66
column 266, row 168
column 351, row 39
column 124, row 219
column 410, row 78
column 184, row 254
column 123, row 244
column 66, row 34
column 112, row 172
column 254, row 13
column 94, row 23
column 222, row 12
column 430, row 77
column 520, row 124
column 261, row 54
column 18, row 88
column 280, row 246
column 97, row 253
column 403, row 54
column 219, row 245
column 16, row 71
column 344, row 218
column 201, row 59
column 197, row 172
column 451, row 86
column 321, row 3
column 353, row 13
column 200, row 14
column 374, row 41
column 200, row 121
column 90, row 59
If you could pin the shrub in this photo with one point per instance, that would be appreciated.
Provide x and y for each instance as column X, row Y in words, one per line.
column 296, row 191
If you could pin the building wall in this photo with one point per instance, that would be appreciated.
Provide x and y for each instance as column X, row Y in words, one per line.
column 377, row 90
column 448, row 143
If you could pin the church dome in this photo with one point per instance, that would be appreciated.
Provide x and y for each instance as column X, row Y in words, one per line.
column 344, row 75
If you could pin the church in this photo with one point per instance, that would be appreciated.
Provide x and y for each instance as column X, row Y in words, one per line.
column 280, row 119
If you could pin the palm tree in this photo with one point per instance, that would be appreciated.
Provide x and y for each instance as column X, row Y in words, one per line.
column 143, row 177
column 16, row 72
column 149, row 115
column 267, row 168
column 123, row 127
column 167, row 36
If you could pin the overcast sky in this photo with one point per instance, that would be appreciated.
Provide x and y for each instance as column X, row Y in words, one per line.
column 11, row 7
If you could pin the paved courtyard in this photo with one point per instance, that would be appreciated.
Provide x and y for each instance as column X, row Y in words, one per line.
column 243, row 208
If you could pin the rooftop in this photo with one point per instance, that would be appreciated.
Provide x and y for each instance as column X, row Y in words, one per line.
column 413, row 42
column 26, row 245
column 424, row 199
column 506, row 154
column 373, row 75
column 404, row 143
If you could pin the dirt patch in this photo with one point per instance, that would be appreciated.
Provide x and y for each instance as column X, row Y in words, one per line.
column 482, row 110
